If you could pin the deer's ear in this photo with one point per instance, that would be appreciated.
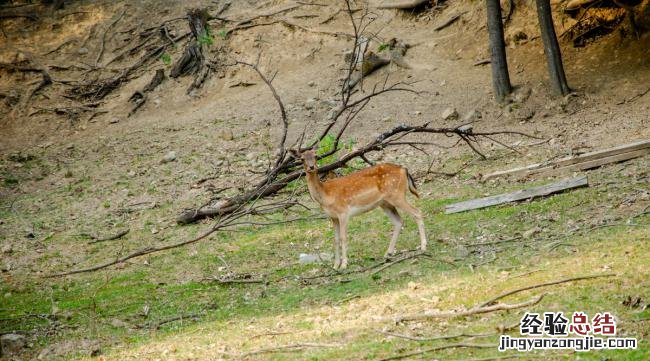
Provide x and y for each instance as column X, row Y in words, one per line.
column 294, row 153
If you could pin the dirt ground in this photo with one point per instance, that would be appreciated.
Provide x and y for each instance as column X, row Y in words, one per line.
column 83, row 174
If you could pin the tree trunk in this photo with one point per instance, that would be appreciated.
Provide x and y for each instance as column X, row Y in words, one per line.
column 551, row 48
column 500, row 77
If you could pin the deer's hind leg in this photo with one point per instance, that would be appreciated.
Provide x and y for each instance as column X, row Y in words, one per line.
column 401, row 203
column 395, row 218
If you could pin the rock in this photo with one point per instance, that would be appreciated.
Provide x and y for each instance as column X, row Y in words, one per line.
column 131, row 174
column 11, row 344
column 117, row 323
column 169, row 157
column 226, row 134
column 82, row 51
column 251, row 156
column 311, row 83
column 7, row 249
column 520, row 95
column 449, row 113
column 472, row 116
column 307, row 258
column 529, row 233
column 114, row 120
column 310, row 103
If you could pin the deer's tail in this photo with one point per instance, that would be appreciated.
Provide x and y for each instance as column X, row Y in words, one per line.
column 411, row 182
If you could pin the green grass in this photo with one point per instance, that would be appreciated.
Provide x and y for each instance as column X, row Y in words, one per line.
column 170, row 283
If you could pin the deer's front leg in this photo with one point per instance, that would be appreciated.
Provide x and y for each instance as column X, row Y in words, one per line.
column 343, row 235
column 337, row 243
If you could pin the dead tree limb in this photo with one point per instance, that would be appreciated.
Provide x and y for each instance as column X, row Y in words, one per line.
column 402, row 4
column 572, row 279
column 110, row 238
column 224, row 222
column 479, row 309
column 102, row 44
column 283, row 113
column 286, row 169
column 437, row 348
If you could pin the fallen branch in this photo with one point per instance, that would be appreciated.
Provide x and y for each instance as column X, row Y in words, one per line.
column 191, row 316
column 284, row 348
column 472, row 311
column 450, row 21
column 437, row 348
column 224, row 222
column 394, row 262
column 102, row 44
column 436, row 338
column 110, row 238
column 572, row 279
column 402, row 4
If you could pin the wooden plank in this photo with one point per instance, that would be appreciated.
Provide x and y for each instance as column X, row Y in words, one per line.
column 546, row 166
column 599, row 162
column 519, row 195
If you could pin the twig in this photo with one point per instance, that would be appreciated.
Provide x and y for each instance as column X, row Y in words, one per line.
column 110, row 238
column 493, row 242
column 572, row 279
column 399, row 260
column 284, row 348
column 435, row 338
column 472, row 311
column 449, row 22
column 283, row 112
column 624, row 101
column 103, row 43
column 437, row 348
column 159, row 324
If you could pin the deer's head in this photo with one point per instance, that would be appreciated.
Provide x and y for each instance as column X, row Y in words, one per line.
column 308, row 158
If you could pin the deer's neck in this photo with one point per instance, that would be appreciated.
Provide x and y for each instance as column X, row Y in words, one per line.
column 315, row 186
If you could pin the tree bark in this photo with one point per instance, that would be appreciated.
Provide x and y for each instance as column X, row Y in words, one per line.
column 500, row 77
column 551, row 48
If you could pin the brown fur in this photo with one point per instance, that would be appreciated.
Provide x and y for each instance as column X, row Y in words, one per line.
column 384, row 185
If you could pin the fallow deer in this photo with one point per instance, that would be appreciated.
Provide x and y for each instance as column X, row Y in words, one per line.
column 383, row 185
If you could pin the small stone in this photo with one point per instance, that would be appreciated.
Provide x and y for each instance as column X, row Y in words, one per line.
column 310, row 103
column 117, row 323
column 7, row 249
column 169, row 157
column 449, row 113
column 311, row 83
column 251, row 156
column 472, row 116
column 529, row 233
column 131, row 174
column 521, row 95
column 11, row 344
column 82, row 51
column 417, row 112
column 226, row 134
column 307, row 258
column 114, row 120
